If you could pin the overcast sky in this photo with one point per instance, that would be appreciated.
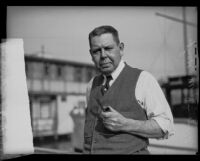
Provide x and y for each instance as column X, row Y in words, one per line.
column 152, row 42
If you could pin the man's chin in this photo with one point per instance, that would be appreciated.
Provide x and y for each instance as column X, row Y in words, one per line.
column 106, row 70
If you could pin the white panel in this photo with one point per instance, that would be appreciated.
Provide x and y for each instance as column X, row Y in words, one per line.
column 65, row 122
column 17, row 132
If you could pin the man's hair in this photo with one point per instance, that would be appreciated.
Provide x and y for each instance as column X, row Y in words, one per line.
column 102, row 30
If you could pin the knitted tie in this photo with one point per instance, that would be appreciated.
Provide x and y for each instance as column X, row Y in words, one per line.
column 106, row 86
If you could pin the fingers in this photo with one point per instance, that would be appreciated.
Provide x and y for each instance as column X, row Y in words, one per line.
column 106, row 115
column 111, row 125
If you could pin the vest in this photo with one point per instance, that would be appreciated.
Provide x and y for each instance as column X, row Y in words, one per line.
column 120, row 96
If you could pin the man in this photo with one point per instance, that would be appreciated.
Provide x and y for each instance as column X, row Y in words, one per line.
column 125, row 111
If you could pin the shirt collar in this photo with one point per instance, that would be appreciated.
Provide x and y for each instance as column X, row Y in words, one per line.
column 117, row 71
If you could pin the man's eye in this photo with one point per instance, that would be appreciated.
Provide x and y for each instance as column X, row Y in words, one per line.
column 108, row 48
column 95, row 51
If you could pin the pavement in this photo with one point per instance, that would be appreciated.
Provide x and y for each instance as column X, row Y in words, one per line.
column 184, row 141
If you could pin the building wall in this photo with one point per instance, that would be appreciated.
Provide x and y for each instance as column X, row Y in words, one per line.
column 63, row 85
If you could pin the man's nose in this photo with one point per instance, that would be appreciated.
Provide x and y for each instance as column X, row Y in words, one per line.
column 103, row 53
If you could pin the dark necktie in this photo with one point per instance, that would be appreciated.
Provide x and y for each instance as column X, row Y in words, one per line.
column 106, row 86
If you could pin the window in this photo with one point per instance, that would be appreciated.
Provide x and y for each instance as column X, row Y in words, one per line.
column 35, row 109
column 46, row 69
column 78, row 74
column 45, row 110
column 59, row 71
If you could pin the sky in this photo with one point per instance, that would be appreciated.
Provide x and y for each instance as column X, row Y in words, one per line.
column 152, row 42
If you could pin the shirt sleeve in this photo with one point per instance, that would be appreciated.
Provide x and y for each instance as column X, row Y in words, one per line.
column 151, row 97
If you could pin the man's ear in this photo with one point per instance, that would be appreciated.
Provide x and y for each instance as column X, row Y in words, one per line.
column 121, row 47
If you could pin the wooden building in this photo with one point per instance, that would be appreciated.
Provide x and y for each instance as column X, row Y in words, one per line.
column 55, row 88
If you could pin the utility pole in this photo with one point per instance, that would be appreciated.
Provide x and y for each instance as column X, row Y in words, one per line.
column 185, row 23
column 185, row 41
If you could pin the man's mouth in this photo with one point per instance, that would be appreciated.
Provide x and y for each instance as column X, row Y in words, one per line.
column 104, row 65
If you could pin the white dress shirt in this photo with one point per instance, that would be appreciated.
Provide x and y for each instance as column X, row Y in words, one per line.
column 150, row 97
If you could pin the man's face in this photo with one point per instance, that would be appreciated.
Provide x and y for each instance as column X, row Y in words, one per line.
column 106, row 53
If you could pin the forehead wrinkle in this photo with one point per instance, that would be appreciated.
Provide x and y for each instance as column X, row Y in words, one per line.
column 102, row 41
column 102, row 45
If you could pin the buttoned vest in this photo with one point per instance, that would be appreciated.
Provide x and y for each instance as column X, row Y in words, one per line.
column 120, row 96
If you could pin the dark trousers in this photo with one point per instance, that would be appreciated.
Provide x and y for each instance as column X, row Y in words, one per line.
column 143, row 151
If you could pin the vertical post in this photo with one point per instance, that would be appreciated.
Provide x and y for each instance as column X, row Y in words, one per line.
column 1, row 136
column 185, row 40
column 55, row 98
column 186, row 51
